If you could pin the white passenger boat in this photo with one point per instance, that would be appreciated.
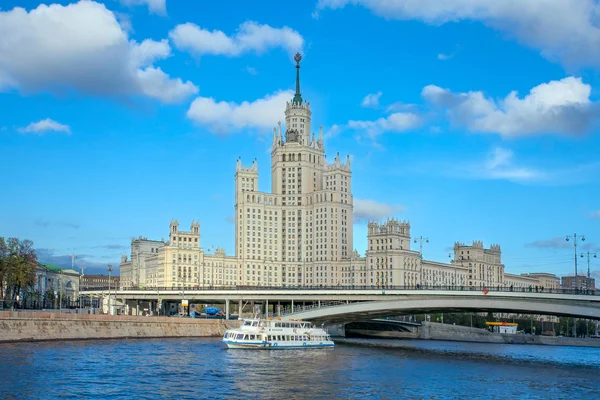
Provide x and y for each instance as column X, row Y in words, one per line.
column 276, row 334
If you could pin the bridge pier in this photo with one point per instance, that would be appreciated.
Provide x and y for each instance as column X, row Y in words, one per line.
column 336, row 330
column 227, row 309
column 240, row 309
column 267, row 308
column 292, row 306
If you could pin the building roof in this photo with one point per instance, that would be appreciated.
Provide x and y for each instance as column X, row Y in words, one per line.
column 56, row 269
column 51, row 267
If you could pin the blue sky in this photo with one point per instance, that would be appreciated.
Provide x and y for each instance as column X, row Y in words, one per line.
column 470, row 119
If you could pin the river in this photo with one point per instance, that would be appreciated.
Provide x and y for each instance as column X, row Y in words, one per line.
column 354, row 369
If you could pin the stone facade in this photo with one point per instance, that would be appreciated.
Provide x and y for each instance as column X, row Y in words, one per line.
column 91, row 282
column 579, row 282
column 301, row 233
column 484, row 266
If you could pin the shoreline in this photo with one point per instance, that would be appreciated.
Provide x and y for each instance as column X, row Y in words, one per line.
column 25, row 327
column 465, row 334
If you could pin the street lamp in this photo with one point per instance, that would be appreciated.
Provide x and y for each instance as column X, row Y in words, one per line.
column 574, row 237
column 59, row 292
column 454, row 268
column 80, row 280
column 421, row 239
column 109, row 271
column 589, row 254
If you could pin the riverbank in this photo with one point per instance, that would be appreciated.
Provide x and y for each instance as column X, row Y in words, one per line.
column 45, row 326
column 457, row 333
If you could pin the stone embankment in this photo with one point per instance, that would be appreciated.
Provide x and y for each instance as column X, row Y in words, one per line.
column 458, row 333
column 39, row 326
column 437, row 331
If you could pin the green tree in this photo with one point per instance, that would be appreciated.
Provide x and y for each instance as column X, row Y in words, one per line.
column 18, row 263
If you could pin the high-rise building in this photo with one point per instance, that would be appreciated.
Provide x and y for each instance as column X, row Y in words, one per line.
column 301, row 232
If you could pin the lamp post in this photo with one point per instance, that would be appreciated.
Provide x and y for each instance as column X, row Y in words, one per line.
column 109, row 271
column 589, row 255
column 421, row 239
column 80, row 279
column 454, row 268
column 59, row 292
column 574, row 237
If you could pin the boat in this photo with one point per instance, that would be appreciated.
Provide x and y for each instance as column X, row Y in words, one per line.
column 273, row 334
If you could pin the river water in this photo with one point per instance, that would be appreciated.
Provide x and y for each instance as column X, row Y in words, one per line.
column 354, row 369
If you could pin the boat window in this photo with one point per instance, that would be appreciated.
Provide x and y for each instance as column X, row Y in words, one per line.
column 240, row 336
column 247, row 323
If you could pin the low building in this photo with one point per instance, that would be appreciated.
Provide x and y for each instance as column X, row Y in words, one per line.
column 520, row 282
column 91, row 282
column 545, row 280
column 63, row 282
column 578, row 282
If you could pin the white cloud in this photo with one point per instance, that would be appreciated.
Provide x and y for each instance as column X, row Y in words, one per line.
column 444, row 57
column 561, row 107
column 500, row 165
column 45, row 125
column 400, row 106
column 154, row 6
column 595, row 214
column 554, row 243
column 80, row 47
column 564, row 30
column 149, row 51
column 333, row 131
column 250, row 37
column 371, row 100
column 251, row 70
column 397, row 122
column 365, row 210
column 224, row 117
column 156, row 84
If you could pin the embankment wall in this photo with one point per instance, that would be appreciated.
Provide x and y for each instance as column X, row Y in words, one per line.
column 437, row 331
column 24, row 326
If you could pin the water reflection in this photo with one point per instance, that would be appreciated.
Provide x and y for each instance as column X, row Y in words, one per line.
column 202, row 368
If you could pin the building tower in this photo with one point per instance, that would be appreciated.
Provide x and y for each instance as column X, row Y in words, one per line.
column 301, row 232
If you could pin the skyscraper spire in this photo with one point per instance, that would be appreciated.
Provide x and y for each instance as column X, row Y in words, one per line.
column 297, row 97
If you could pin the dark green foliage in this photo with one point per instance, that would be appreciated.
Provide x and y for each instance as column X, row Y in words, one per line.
column 18, row 263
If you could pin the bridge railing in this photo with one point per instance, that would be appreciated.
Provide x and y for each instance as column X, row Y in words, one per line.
column 191, row 290
column 323, row 304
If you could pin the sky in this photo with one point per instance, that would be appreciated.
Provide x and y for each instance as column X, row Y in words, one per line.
column 474, row 120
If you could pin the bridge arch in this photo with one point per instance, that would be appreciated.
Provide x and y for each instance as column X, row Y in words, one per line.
column 367, row 310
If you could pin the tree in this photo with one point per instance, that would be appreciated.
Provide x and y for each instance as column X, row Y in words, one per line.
column 18, row 263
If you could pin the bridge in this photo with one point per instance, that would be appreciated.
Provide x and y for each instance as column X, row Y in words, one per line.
column 578, row 306
column 337, row 305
